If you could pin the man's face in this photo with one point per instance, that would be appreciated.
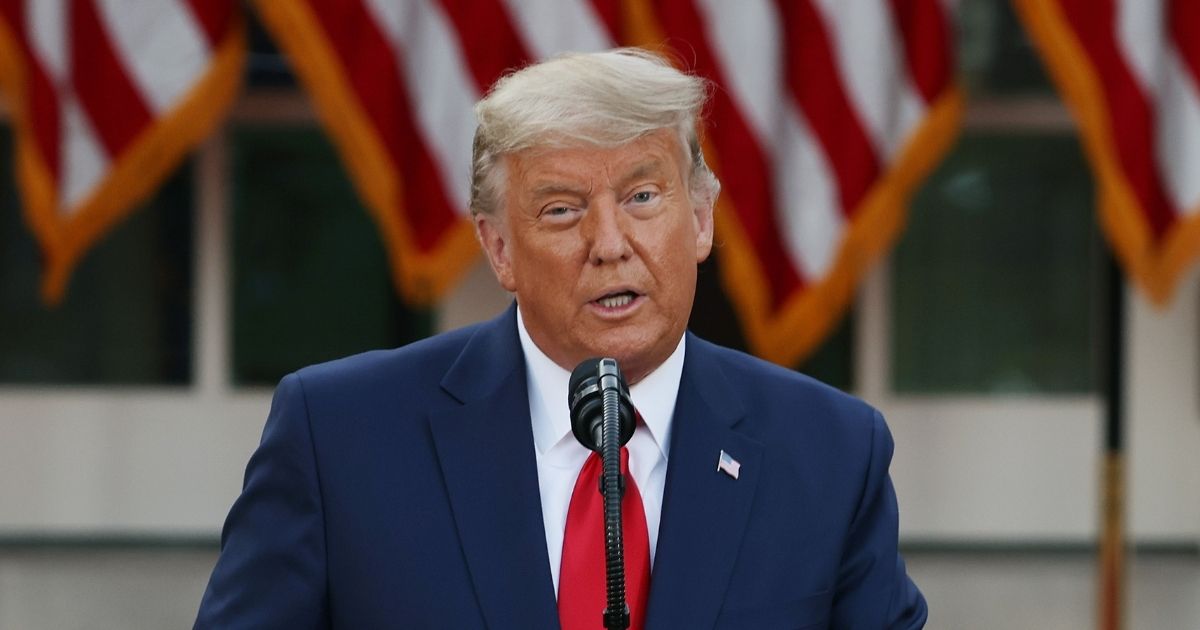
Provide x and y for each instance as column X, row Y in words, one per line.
column 600, row 247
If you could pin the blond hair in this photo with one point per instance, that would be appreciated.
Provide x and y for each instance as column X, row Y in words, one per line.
column 605, row 99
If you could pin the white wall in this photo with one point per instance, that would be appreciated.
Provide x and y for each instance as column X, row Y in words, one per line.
column 1163, row 384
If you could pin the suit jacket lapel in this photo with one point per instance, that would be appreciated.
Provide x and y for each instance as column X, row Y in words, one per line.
column 705, row 511
column 485, row 449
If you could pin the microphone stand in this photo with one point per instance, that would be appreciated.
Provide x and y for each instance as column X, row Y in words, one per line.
column 612, row 486
column 602, row 419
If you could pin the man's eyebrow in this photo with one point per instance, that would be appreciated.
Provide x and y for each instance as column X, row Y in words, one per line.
column 552, row 188
column 549, row 189
column 643, row 169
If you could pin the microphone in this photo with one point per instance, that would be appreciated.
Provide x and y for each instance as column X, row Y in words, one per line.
column 585, row 395
column 602, row 419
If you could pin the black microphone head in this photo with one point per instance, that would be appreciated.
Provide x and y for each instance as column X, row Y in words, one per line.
column 585, row 398
column 588, row 368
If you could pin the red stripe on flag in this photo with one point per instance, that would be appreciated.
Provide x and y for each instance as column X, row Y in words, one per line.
column 923, row 26
column 42, row 106
column 812, row 75
column 111, row 101
column 214, row 17
column 1131, row 118
column 745, row 172
column 487, row 38
column 609, row 13
column 45, row 117
column 369, row 64
column 1184, row 21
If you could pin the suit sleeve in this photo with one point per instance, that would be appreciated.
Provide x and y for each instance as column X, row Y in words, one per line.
column 874, row 590
column 271, row 572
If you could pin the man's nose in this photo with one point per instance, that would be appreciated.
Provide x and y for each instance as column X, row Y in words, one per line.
column 607, row 232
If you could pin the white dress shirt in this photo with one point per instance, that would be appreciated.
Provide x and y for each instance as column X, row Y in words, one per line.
column 560, row 456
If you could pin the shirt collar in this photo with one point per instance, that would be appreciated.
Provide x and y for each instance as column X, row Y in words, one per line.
column 654, row 396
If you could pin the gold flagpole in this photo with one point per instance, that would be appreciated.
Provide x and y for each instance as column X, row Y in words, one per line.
column 1111, row 591
column 1112, row 544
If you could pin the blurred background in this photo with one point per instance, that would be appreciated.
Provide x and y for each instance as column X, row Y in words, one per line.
column 982, row 326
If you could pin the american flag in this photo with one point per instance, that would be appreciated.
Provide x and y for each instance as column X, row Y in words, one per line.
column 1130, row 71
column 829, row 113
column 107, row 97
column 728, row 465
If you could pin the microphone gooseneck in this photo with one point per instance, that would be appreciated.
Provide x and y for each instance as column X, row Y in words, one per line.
column 602, row 419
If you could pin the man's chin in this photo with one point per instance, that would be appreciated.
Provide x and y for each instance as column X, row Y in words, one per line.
column 636, row 361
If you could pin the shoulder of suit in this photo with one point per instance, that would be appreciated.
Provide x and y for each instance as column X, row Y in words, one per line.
column 795, row 414
column 766, row 384
column 420, row 364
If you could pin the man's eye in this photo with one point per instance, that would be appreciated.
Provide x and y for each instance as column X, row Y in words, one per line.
column 643, row 196
column 557, row 211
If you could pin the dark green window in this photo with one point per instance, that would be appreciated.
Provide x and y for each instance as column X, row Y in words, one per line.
column 127, row 315
column 311, row 280
column 994, row 282
column 996, row 56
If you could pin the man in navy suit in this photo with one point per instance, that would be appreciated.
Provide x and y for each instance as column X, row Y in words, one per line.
column 431, row 486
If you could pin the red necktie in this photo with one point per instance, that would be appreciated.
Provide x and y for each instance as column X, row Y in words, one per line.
column 581, row 581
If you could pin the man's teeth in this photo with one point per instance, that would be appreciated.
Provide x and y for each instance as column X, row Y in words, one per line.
column 615, row 301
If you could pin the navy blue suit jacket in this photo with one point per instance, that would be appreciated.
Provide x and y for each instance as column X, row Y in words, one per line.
column 398, row 489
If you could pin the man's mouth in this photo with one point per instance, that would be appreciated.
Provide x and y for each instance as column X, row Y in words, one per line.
column 617, row 301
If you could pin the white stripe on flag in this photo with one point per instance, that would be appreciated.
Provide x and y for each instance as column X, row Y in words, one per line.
column 807, row 199
column 84, row 160
column 910, row 111
column 747, row 40
column 1140, row 36
column 1178, row 146
column 47, row 27
column 908, row 106
column 549, row 27
column 439, row 86
column 160, row 45
column 869, row 60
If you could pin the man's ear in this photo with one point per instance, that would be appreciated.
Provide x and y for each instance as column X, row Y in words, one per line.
column 703, row 215
column 493, row 237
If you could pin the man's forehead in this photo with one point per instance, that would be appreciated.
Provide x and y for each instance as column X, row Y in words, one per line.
column 557, row 175
column 541, row 169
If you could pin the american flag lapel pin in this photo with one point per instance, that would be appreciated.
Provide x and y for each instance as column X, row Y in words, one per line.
column 728, row 465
